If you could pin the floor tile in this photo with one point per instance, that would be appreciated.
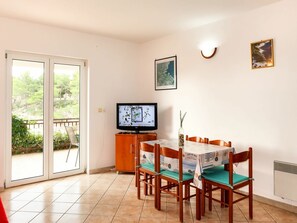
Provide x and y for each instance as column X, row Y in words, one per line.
column 129, row 211
column 27, row 196
column 92, row 198
column 126, row 219
column 111, row 199
column 152, row 211
column 81, row 208
column 71, row 198
column 58, row 207
column 66, row 218
column 9, row 195
column 99, row 219
column 105, row 210
column 76, row 189
column 35, row 206
column 47, row 197
column 14, row 205
column 46, row 218
column 152, row 220
column 22, row 217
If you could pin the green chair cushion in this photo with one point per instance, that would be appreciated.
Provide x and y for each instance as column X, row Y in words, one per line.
column 222, row 177
column 148, row 166
column 175, row 176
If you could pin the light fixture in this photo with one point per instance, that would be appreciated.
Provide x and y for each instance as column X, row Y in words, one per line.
column 209, row 52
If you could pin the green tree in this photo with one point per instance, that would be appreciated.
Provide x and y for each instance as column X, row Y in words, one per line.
column 27, row 95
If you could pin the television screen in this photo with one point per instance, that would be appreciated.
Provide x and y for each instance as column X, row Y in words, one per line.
column 137, row 116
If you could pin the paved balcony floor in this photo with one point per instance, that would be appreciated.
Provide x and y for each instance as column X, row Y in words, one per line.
column 31, row 165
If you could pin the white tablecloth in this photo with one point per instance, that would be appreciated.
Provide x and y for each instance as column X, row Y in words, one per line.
column 197, row 157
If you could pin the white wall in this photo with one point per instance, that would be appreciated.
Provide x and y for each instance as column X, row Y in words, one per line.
column 112, row 76
column 228, row 100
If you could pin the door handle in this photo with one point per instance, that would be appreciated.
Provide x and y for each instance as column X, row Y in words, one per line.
column 132, row 151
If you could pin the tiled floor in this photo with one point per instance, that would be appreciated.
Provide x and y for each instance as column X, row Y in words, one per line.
column 109, row 197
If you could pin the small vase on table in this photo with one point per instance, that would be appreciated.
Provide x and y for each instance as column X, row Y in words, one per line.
column 181, row 135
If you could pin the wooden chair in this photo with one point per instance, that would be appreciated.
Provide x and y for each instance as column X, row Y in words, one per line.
column 196, row 139
column 209, row 188
column 231, row 182
column 73, row 141
column 219, row 142
column 145, row 172
column 175, row 179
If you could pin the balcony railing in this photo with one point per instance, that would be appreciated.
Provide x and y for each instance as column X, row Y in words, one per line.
column 37, row 124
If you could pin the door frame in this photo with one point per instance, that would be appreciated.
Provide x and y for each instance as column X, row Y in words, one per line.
column 48, row 116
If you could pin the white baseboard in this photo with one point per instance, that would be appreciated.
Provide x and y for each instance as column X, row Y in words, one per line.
column 274, row 203
column 101, row 170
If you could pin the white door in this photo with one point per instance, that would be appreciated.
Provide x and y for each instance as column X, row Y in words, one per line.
column 44, row 99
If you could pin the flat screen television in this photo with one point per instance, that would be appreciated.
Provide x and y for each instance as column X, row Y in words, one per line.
column 137, row 116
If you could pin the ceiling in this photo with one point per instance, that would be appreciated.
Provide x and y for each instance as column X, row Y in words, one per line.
column 133, row 20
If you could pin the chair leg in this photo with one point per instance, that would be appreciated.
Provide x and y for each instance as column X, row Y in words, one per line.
column 209, row 186
column 187, row 191
column 181, row 200
column 230, row 206
column 224, row 200
column 137, row 176
column 145, row 184
column 77, row 156
column 68, row 153
column 155, row 192
column 151, row 187
column 177, row 193
column 158, row 192
column 198, row 204
column 251, row 199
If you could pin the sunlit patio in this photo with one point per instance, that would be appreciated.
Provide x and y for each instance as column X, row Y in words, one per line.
column 31, row 165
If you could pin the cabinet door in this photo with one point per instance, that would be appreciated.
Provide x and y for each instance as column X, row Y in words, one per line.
column 125, row 152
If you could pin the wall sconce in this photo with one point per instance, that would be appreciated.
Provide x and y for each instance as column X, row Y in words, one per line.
column 208, row 53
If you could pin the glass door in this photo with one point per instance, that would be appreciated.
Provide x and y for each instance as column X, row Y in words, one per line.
column 44, row 112
column 66, row 117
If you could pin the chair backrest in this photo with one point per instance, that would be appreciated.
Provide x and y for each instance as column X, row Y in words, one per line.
column 173, row 154
column 71, row 135
column 145, row 147
column 220, row 142
column 239, row 158
column 196, row 139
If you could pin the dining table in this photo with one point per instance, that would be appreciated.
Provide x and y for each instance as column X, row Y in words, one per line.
column 197, row 157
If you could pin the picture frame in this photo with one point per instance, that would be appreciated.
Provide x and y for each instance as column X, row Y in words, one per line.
column 262, row 55
column 166, row 73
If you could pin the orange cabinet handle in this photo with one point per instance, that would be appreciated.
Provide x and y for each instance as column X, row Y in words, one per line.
column 132, row 148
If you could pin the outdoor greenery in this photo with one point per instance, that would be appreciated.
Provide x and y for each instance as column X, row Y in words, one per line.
column 25, row 142
column 27, row 106
column 28, row 96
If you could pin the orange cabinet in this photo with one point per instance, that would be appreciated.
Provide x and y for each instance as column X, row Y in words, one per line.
column 125, row 147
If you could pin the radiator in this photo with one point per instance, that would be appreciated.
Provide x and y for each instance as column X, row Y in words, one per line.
column 285, row 180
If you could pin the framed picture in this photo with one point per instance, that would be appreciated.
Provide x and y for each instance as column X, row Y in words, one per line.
column 262, row 54
column 165, row 73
